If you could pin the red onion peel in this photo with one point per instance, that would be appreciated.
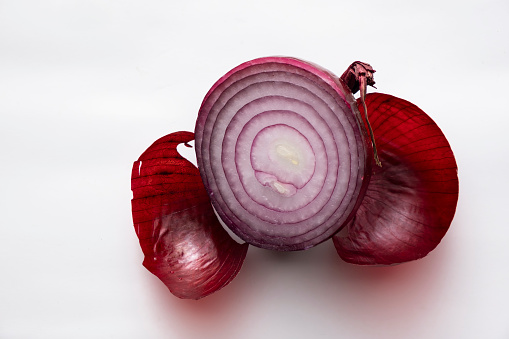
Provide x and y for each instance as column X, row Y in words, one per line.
column 410, row 201
column 184, row 244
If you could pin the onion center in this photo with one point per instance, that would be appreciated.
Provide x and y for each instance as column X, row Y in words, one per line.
column 282, row 158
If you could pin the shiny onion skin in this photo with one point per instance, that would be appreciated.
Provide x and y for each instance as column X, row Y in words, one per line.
column 410, row 201
column 283, row 152
column 184, row 244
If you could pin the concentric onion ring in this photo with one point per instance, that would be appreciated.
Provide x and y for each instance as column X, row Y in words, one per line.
column 282, row 152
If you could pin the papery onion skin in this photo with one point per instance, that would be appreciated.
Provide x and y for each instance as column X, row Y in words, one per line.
column 184, row 244
column 411, row 200
column 303, row 99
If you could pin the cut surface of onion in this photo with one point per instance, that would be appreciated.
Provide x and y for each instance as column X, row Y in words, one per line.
column 282, row 152
column 410, row 201
column 184, row 244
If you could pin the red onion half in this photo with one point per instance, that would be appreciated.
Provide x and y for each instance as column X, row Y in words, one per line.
column 282, row 151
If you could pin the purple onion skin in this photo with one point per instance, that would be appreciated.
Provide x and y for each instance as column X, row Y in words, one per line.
column 184, row 244
column 411, row 200
column 294, row 96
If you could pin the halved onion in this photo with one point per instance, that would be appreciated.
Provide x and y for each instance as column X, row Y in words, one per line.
column 410, row 201
column 282, row 152
column 184, row 244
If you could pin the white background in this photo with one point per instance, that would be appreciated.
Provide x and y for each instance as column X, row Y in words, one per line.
column 87, row 86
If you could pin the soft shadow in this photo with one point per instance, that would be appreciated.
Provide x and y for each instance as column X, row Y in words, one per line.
column 210, row 316
column 317, row 277
column 404, row 296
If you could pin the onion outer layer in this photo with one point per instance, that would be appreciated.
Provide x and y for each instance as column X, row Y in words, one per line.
column 184, row 244
column 410, row 201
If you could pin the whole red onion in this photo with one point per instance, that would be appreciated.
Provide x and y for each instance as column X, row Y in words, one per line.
column 285, row 159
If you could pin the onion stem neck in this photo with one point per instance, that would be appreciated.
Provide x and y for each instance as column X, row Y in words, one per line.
column 363, row 88
column 358, row 77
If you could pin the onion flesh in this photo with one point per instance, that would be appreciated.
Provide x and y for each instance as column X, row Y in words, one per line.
column 282, row 152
